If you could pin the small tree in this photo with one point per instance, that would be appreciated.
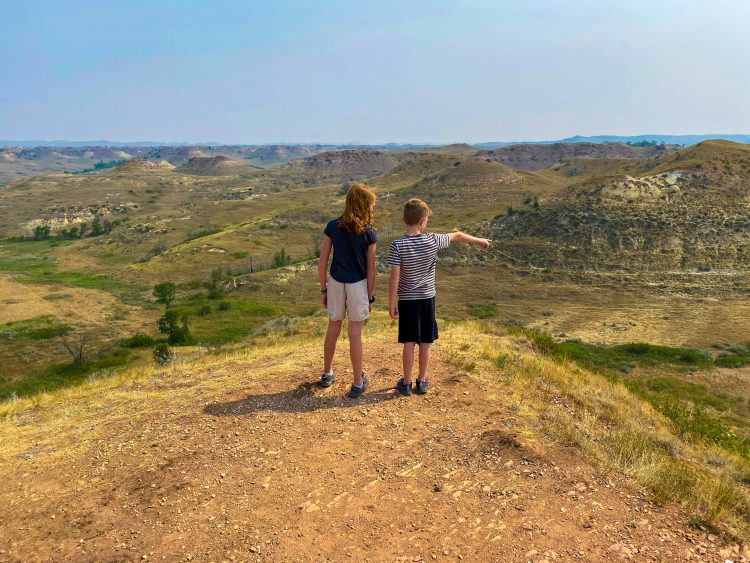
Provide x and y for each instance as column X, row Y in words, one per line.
column 175, row 326
column 73, row 232
column 41, row 232
column 82, row 229
column 281, row 258
column 165, row 292
column 96, row 227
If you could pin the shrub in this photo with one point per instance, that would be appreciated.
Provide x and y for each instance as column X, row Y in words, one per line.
column 163, row 354
column 281, row 258
column 224, row 306
column 175, row 327
column 138, row 340
column 204, row 310
column 165, row 292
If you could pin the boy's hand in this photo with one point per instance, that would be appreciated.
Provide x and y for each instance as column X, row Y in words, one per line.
column 483, row 243
column 324, row 300
column 393, row 312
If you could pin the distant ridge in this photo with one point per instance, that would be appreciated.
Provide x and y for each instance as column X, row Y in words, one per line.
column 685, row 140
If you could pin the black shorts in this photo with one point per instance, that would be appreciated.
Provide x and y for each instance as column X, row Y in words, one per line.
column 416, row 321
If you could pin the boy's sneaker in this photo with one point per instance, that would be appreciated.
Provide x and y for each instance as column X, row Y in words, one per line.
column 403, row 388
column 356, row 392
column 327, row 379
column 422, row 387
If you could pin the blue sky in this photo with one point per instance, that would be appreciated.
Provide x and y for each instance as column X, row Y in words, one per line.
column 371, row 71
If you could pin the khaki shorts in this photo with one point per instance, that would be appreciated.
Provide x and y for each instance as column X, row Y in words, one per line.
column 348, row 299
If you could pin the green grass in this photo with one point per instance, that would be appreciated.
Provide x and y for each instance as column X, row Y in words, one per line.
column 621, row 357
column 28, row 256
column 681, row 402
column 128, row 293
column 696, row 394
column 736, row 357
column 229, row 320
column 651, row 354
column 32, row 263
column 483, row 310
column 41, row 328
column 62, row 375
column 204, row 233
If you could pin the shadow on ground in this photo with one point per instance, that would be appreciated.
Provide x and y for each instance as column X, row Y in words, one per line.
column 307, row 397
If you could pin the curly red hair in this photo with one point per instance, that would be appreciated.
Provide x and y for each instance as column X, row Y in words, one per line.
column 357, row 209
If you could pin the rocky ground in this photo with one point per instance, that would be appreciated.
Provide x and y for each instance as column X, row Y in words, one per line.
column 249, row 460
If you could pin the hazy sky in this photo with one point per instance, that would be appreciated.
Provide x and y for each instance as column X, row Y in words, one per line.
column 373, row 70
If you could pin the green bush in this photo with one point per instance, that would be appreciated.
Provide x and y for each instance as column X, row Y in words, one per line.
column 224, row 306
column 138, row 340
column 281, row 258
column 175, row 326
column 204, row 310
column 163, row 354
column 165, row 292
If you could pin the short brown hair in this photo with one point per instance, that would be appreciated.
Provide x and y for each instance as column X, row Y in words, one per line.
column 415, row 210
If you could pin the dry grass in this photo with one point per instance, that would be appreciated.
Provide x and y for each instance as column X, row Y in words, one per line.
column 610, row 425
column 557, row 402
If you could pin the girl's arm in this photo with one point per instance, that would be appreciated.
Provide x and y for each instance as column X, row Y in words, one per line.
column 393, row 291
column 458, row 236
column 371, row 272
column 325, row 252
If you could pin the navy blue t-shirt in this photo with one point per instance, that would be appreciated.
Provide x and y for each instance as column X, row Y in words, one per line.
column 349, row 264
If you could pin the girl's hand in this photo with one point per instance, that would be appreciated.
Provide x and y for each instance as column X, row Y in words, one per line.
column 324, row 300
column 483, row 243
column 393, row 312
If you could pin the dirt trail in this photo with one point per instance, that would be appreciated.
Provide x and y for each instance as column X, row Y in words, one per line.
column 279, row 470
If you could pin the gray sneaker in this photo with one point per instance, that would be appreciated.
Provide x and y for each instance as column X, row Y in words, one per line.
column 356, row 392
column 422, row 387
column 327, row 379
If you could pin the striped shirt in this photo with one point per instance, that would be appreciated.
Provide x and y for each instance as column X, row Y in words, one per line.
column 417, row 256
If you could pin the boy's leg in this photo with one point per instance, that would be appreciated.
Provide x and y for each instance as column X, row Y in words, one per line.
column 329, row 346
column 355, row 349
column 408, row 361
column 424, row 360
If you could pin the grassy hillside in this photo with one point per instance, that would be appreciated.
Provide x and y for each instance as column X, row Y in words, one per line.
column 219, row 449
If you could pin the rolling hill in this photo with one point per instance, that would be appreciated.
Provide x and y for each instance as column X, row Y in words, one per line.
column 690, row 212
column 538, row 156
column 213, row 166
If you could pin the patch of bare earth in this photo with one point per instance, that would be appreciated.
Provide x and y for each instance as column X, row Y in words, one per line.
column 280, row 469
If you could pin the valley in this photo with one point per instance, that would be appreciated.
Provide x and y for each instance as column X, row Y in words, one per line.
column 594, row 247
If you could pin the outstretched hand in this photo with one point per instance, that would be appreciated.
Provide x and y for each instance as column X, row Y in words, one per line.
column 483, row 243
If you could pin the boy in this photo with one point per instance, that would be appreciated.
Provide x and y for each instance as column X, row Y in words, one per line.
column 412, row 259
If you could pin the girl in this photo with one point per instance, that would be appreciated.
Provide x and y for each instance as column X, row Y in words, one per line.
column 348, row 290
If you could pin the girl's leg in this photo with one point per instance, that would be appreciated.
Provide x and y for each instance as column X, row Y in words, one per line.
column 424, row 360
column 355, row 350
column 408, row 361
column 329, row 347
